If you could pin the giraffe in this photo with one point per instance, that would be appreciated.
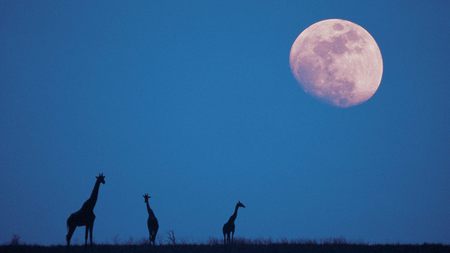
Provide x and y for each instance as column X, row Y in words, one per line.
column 85, row 216
column 152, row 222
column 228, row 228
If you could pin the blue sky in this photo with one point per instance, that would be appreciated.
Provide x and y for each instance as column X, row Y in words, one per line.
column 194, row 102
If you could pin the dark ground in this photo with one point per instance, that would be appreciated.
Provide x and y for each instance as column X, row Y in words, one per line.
column 244, row 248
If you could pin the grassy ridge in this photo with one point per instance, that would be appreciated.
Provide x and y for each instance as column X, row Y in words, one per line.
column 244, row 248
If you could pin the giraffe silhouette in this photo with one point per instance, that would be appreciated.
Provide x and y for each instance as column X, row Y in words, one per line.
column 85, row 216
column 229, row 227
column 152, row 222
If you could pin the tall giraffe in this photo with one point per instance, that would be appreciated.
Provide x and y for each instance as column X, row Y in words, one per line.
column 152, row 222
column 228, row 228
column 85, row 216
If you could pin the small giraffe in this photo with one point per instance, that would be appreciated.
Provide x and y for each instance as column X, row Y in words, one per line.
column 85, row 216
column 228, row 228
column 152, row 222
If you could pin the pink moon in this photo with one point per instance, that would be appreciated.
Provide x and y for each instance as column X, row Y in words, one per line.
column 338, row 62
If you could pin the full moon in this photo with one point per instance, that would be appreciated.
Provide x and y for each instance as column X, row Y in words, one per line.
column 338, row 62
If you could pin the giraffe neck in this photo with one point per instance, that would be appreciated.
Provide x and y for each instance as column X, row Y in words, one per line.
column 234, row 216
column 94, row 195
column 150, row 211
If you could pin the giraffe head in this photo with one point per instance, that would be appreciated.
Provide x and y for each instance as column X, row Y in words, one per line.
column 101, row 178
column 146, row 197
column 239, row 204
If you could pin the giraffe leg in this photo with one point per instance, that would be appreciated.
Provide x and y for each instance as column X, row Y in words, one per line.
column 152, row 238
column 149, row 236
column 70, row 231
column 232, row 237
column 86, row 235
column 91, row 229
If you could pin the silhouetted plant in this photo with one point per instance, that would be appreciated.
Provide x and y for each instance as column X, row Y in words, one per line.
column 116, row 240
column 15, row 240
column 338, row 240
column 241, row 246
column 143, row 241
column 213, row 241
column 171, row 239
column 130, row 241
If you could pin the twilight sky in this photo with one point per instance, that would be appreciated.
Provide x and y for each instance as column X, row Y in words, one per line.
column 194, row 102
